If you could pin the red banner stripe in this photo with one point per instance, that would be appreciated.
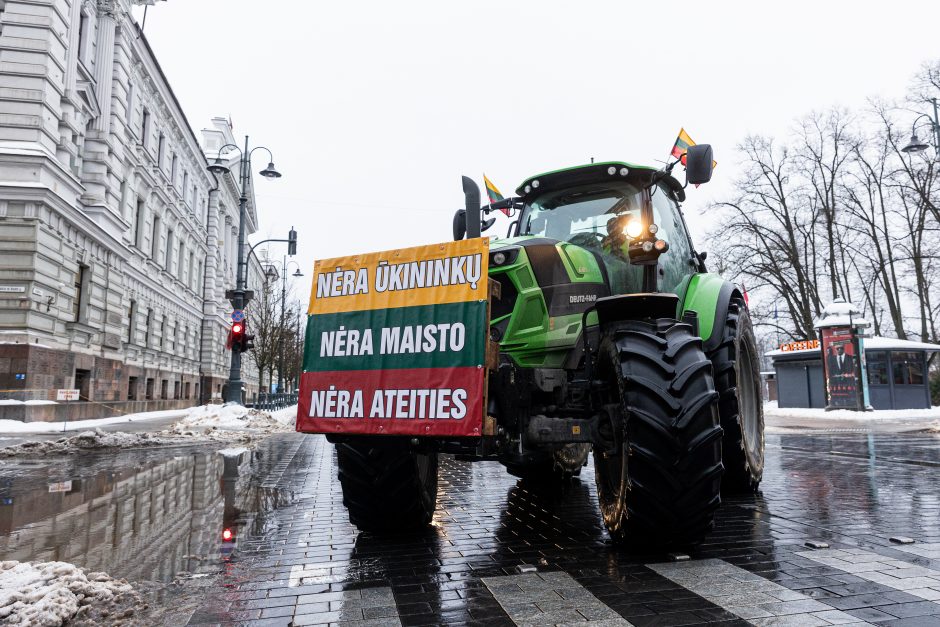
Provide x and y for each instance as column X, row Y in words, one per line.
column 416, row 402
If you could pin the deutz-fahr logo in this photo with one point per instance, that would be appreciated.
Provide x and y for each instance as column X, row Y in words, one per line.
column 582, row 298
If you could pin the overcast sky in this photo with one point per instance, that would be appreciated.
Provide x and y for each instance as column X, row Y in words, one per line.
column 373, row 110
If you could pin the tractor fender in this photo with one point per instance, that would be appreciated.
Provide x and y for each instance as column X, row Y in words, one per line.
column 709, row 295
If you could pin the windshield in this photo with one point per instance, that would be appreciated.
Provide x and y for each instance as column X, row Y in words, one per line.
column 587, row 215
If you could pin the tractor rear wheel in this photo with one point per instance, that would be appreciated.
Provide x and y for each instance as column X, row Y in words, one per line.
column 737, row 380
column 659, row 479
column 387, row 485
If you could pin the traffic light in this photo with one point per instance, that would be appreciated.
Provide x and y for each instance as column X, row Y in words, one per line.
column 292, row 242
column 236, row 336
column 248, row 340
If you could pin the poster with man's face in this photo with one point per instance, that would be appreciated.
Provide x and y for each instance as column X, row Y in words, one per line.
column 841, row 367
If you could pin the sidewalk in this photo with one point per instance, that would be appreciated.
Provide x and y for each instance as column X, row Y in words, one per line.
column 786, row 419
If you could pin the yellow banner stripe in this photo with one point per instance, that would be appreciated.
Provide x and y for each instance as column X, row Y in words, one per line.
column 452, row 272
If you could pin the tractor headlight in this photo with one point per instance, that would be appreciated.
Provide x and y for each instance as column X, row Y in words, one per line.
column 634, row 229
column 535, row 184
column 647, row 246
column 653, row 229
column 624, row 171
column 611, row 170
column 504, row 256
column 661, row 245
column 528, row 188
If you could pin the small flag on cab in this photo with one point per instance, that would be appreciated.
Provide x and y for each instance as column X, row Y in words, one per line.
column 681, row 147
column 493, row 194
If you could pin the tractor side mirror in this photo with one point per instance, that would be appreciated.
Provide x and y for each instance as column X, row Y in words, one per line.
column 460, row 224
column 471, row 195
column 698, row 165
column 487, row 224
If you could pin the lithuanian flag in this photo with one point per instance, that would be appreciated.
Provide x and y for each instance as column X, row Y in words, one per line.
column 492, row 193
column 683, row 141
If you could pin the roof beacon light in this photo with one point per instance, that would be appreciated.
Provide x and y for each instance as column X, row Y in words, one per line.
column 611, row 170
column 624, row 171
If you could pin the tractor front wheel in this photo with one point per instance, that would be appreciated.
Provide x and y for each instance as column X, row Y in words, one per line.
column 659, row 476
column 737, row 380
column 387, row 485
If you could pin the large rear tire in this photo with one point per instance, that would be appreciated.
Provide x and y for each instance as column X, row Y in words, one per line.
column 387, row 486
column 737, row 380
column 662, row 484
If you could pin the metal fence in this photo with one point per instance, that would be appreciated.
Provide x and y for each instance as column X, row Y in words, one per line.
column 274, row 401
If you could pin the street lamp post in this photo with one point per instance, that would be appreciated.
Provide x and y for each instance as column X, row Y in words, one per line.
column 916, row 145
column 280, row 361
column 233, row 391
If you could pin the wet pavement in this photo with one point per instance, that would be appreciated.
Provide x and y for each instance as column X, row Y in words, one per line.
column 500, row 552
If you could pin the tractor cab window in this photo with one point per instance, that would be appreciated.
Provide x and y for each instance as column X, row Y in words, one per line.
column 592, row 217
column 677, row 262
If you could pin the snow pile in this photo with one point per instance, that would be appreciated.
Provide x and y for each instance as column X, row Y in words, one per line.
column 211, row 423
column 227, row 417
column 15, row 426
column 773, row 411
column 51, row 593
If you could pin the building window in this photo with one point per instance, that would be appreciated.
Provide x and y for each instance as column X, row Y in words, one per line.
column 162, row 332
column 81, row 288
column 180, row 259
column 161, row 149
column 192, row 269
column 908, row 368
column 145, row 129
column 132, row 388
column 149, row 395
column 186, row 187
column 131, row 310
column 147, row 330
column 139, row 218
column 186, row 390
column 169, row 250
column 82, row 36
column 163, row 389
column 176, row 390
column 155, row 242
column 173, row 168
column 877, row 367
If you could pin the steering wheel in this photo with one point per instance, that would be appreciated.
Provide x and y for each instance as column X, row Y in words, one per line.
column 587, row 240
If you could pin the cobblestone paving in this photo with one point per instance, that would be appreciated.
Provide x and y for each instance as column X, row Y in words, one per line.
column 852, row 491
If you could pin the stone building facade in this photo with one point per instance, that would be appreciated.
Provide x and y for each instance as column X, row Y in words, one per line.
column 116, row 243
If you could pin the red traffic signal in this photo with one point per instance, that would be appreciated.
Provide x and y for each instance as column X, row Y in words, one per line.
column 227, row 535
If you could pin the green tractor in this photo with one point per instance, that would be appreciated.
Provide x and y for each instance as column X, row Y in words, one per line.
column 612, row 337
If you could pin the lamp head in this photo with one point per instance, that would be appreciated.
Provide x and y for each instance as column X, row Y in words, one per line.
column 915, row 145
column 217, row 167
column 270, row 172
column 297, row 273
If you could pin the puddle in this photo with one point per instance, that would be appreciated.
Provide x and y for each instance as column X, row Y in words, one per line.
column 154, row 516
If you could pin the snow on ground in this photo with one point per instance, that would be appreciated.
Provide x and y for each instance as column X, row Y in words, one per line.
column 228, row 423
column 17, row 427
column 51, row 593
column 771, row 410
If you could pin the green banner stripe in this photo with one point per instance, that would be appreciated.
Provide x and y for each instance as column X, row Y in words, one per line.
column 448, row 335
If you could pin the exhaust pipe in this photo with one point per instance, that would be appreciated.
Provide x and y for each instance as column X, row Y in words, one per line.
column 471, row 195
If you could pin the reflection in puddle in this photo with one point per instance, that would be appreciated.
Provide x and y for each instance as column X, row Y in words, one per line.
column 144, row 516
